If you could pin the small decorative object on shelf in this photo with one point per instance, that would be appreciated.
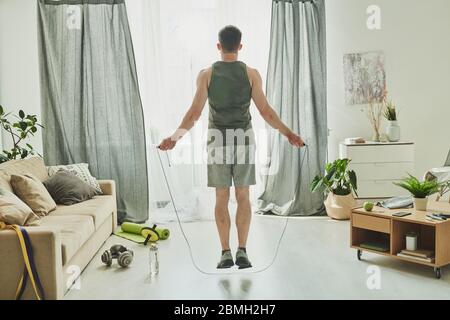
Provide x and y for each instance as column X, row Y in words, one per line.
column 420, row 190
column 340, row 184
column 411, row 241
column 393, row 129
column 357, row 140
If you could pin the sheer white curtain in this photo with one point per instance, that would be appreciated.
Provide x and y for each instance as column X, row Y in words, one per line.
column 173, row 40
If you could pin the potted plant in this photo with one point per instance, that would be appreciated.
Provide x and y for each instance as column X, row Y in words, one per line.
column 420, row 190
column 20, row 130
column 393, row 129
column 339, row 182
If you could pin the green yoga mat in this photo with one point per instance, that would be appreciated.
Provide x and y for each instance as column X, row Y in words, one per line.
column 129, row 236
column 137, row 229
column 133, row 232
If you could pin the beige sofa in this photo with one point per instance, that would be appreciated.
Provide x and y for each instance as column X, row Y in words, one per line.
column 65, row 241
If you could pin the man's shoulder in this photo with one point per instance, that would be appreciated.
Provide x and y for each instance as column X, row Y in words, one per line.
column 252, row 72
column 205, row 73
column 249, row 68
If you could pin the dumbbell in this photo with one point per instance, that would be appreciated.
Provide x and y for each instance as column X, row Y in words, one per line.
column 123, row 255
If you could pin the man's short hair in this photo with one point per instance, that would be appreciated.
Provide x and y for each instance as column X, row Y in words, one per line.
column 230, row 38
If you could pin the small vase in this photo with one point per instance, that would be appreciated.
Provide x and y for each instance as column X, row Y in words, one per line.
column 420, row 204
column 393, row 131
column 376, row 136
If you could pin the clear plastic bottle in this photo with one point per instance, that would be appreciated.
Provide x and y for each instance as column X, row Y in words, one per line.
column 153, row 259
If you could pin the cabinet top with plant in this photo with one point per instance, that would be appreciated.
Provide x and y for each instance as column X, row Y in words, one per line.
column 20, row 129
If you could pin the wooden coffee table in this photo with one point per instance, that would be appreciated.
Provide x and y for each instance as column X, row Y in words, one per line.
column 379, row 226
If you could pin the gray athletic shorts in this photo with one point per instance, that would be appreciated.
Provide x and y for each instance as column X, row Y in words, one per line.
column 231, row 159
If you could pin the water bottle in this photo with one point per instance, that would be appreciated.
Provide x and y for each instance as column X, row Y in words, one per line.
column 153, row 259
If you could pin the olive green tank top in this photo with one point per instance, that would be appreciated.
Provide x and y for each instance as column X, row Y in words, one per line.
column 229, row 95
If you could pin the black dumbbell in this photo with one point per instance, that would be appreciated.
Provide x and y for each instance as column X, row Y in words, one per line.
column 123, row 255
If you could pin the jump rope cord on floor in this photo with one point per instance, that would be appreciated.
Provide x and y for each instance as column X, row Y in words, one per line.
column 194, row 263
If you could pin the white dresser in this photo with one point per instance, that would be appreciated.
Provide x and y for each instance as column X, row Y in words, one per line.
column 377, row 165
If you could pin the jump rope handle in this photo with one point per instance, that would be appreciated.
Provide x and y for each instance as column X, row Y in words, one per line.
column 167, row 155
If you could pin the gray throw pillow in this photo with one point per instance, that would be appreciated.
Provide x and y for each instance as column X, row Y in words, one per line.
column 81, row 170
column 67, row 189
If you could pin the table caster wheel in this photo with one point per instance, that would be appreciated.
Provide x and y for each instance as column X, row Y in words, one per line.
column 437, row 273
column 359, row 254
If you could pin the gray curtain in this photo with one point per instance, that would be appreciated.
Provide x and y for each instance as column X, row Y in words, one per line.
column 91, row 105
column 296, row 88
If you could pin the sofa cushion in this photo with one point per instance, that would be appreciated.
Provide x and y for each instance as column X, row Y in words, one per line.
column 75, row 231
column 99, row 208
column 31, row 191
column 67, row 189
column 15, row 211
column 81, row 170
column 33, row 165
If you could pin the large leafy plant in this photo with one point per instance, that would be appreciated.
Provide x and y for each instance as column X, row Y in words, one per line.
column 419, row 189
column 338, row 179
column 20, row 130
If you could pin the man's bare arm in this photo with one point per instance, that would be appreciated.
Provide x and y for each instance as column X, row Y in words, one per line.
column 192, row 115
column 267, row 112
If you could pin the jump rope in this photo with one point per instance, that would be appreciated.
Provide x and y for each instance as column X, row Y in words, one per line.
column 194, row 263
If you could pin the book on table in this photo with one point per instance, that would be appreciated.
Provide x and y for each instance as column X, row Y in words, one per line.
column 375, row 246
column 420, row 255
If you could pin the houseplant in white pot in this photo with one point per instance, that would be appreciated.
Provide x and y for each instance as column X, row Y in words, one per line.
column 393, row 129
column 420, row 190
column 340, row 183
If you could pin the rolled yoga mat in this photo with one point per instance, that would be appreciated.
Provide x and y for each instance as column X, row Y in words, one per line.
column 163, row 233
column 138, row 232
column 134, row 228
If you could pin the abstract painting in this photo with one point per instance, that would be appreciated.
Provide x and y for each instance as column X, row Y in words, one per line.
column 365, row 77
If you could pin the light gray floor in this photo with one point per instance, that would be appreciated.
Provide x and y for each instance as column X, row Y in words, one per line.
column 314, row 262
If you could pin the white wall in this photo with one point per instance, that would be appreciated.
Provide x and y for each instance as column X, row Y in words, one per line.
column 19, row 68
column 415, row 39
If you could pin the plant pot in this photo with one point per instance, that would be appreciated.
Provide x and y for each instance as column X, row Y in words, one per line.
column 339, row 207
column 393, row 131
column 420, row 204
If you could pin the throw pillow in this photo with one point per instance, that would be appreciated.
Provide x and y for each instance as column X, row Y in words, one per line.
column 31, row 191
column 81, row 170
column 15, row 211
column 67, row 189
